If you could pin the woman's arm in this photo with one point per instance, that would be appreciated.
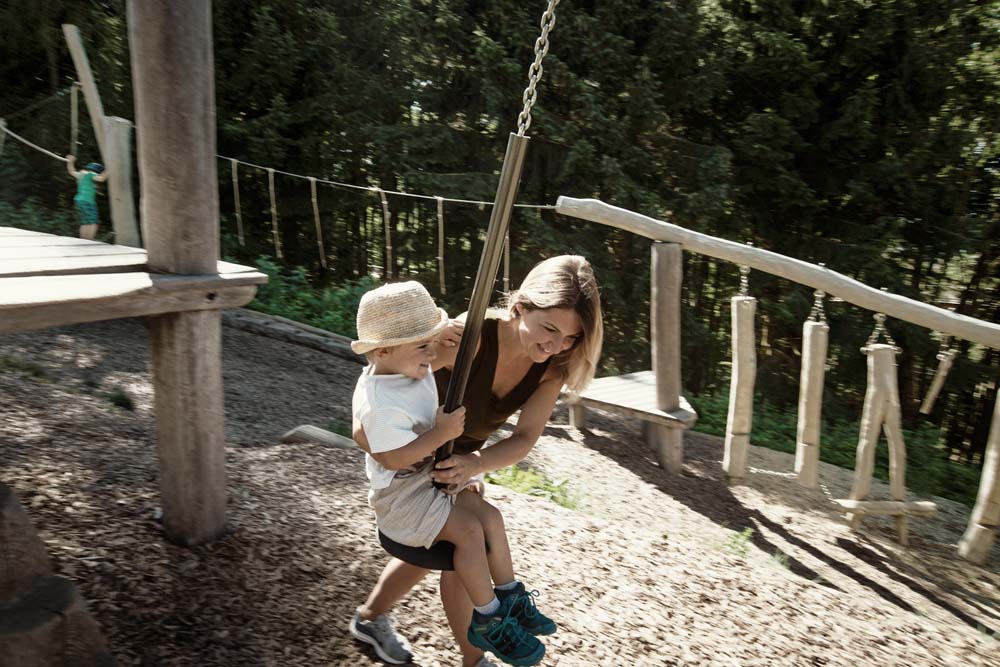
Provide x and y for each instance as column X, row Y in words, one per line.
column 535, row 414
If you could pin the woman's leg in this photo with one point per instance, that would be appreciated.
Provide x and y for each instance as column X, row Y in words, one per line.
column 395, row 581
column 458, row 609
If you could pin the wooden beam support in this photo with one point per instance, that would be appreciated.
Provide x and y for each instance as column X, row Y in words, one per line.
column 172, row 61
column 118, row 161
column 887, row 507
column 90, row 94
column 804, row 273
column 666, row 271
column 985, row 520
column 27, row 304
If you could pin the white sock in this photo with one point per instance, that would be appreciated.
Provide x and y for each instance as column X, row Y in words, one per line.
column 507, row 587
column 491, row 608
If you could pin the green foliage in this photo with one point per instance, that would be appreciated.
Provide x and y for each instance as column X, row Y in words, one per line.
column 119, row 397
column 523, row 480
column 738, row 544
column 928, row 469
column 34, row 216
column 288, row 293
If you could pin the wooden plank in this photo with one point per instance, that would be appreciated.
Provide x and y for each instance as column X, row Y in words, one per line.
column 86, row 78
column 42, row 240
column 635, row 394
column 35, row 303
column 66, row 251
column 887, row 507
column 54, row 266
column 310, row 433
column 14, row 231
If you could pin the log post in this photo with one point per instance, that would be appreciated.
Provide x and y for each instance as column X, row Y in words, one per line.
column 978, row 538
column 174, row 87
column 666, row 275
column 814, row 345
column 740, row 419
column 118, row 139
column 86, row 77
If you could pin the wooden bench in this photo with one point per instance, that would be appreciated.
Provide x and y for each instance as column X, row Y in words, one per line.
column 634, row 394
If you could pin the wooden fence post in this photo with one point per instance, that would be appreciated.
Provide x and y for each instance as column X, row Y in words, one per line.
column 814, row 345
column 666, row 276
column 174, row 87
column 978, row 538
column 740, row 419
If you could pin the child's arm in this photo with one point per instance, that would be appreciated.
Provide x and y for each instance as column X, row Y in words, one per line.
column 101, row 177
column 447, row 426
column 71, row 165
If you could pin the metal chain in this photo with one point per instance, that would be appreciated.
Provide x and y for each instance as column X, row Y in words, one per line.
column 744, row 281
column 535, row 71
column 880, row 330
column 818, row 314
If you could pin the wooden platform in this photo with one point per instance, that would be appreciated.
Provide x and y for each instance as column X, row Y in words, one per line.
column 634, row 394
column 48, row 280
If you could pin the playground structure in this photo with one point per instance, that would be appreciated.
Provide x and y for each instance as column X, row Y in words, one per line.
column 181, row 286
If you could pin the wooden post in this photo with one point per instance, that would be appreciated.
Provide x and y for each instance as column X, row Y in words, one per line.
column 814, row 345
column 118, row 138
column 978, row 538
column 174, row 87
column 740, row 419
column 666, row 275
column 86, row 77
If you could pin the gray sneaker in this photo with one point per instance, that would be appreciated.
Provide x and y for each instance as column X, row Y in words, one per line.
column 486, row 662
column 389, row 644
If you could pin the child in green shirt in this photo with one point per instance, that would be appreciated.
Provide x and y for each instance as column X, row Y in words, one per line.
column 85, row 200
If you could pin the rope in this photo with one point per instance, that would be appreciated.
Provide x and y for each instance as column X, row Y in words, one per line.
column 535, row 71
column 236, row 200
column 818, row 314
column 506, row 262
column 388, row 233
column 3, row 135
column 319, row 228
column 274, row 215
column 28, row 143
column 389, row 192
column 879, row 330
column 39, row 103
column 440, row 258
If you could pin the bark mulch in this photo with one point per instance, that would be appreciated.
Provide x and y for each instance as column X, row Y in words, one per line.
column 648, row 568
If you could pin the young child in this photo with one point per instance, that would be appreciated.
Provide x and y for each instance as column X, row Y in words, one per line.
column 86, row 194
column 396, row 402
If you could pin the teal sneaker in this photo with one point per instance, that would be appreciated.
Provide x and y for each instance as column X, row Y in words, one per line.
column 524, row 611
column 504, row 638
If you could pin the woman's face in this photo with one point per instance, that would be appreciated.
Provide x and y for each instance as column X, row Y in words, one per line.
column 544, row 333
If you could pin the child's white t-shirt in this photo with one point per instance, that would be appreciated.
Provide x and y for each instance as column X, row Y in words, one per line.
column 393, row 409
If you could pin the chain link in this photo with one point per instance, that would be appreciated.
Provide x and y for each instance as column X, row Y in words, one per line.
column 880, row 330
column 535, row 71
column 817, row 314
column 744, row 281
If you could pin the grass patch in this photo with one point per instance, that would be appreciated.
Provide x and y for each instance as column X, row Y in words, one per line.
column 738, row 544
column 13, row 365
column 340, row 428
column 536, row 484
column 119, row 397
column 928, row 469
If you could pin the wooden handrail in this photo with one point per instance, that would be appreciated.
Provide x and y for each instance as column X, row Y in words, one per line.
column 804, row 273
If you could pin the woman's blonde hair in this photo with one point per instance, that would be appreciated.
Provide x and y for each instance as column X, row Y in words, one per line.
column 567, row 281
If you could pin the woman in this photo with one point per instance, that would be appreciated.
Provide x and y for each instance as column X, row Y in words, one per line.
column 548, row 336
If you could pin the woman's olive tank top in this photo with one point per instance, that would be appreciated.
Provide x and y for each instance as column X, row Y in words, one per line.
column 484, row 412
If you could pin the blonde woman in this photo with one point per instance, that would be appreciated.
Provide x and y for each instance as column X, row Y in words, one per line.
column 548, row 336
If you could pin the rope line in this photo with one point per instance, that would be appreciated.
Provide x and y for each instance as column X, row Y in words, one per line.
column 35, row 105
column 28, row 143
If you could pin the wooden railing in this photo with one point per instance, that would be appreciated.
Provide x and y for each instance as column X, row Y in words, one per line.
column 985, row 518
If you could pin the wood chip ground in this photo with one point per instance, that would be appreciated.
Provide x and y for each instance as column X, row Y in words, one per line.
column 649, row 570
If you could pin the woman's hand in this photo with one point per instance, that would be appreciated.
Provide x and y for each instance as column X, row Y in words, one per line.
column 456, row 470
column 452, row 334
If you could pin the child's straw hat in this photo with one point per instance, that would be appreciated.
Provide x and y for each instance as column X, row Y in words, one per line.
column 397, row 314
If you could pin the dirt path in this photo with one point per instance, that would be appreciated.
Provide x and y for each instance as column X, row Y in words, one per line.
column 651, row 569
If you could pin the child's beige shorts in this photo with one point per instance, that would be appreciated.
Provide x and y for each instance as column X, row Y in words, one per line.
column 410, row 510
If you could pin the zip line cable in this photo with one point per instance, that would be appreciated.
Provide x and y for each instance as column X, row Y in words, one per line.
column 35, row 105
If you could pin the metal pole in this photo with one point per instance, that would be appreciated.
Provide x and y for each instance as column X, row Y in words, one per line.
column 510, row 179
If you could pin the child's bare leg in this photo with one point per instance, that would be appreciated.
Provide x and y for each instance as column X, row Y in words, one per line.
column 498, row 555
column 464, row 531
column 88, row 232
